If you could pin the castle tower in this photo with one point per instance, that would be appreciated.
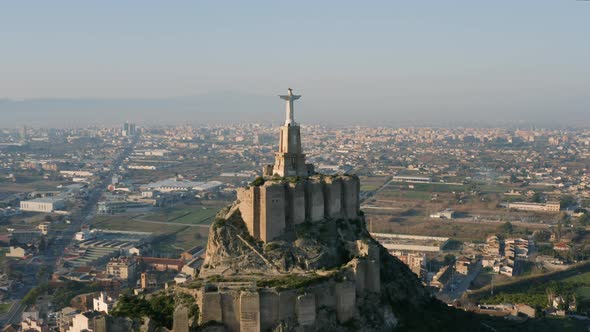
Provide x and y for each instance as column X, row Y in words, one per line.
column 289, row 160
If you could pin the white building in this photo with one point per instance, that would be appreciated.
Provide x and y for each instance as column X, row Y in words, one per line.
column 143, row 167
column 44, row 227
column 103, row 303
column 445, row 214
column 84, row 321
column 30, row 324
column 16, row 252
column 544, row 207
column 76, row 173
column 411, row 179
column 182, row 278
column 45, row 204
column 177, row 184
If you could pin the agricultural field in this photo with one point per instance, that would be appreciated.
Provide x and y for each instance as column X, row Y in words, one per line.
column 405, row 208
column 371, row 183
column 180, row 237
column 457, row 229
column 188, row 214
column 129, row 223
column 533, row 289
column 4, row 307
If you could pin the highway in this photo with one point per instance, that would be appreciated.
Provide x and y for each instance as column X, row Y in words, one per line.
column 56, row 248
column 88, row 210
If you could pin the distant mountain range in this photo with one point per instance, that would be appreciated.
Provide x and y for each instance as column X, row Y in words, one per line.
column 210, row 108
column 232, row 107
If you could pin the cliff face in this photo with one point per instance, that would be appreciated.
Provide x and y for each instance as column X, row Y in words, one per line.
column 329, row 275
column 305, row 247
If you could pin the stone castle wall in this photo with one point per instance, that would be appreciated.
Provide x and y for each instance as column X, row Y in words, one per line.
column 295, row 200
column 242, row 307
column 263, row 309
column 250, row 312
column 272, row 212
column 250, row 209
column 314, row 201
column 269, row 208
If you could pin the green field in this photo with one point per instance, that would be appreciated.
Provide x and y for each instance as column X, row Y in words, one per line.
column 532, row 290
column 439, row 187
column 126, row 223
column 372, row 183
column 583, row 294
column 405, row 194
column 184, row 215
column 369, row 187
column 4, row 307
column 181, row 237
column 492, row 188
column 583, row 278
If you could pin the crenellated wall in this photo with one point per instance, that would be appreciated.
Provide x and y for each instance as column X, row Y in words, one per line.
column 271, row 207
column 272, row 211
column 250, row 209
column 295, row 200
column 367, row 268
column 230, row 307
column 314, row 200
column 333, row 197
column 350, row 197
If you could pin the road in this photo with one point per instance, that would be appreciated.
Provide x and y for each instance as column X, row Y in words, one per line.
column 368, row 194
column 14, row 315
column 450, row 295
column 173, row 223
column 88, row 211
column 56, row 248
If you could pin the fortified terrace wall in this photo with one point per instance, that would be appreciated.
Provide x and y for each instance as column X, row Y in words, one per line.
column 244, row 307
column 268, row 209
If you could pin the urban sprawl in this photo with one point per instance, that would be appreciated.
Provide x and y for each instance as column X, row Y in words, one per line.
column 490, row 220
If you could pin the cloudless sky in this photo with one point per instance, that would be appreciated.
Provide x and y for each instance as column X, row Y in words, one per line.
column 459, row 54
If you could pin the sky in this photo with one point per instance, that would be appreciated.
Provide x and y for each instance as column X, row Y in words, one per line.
column 350, row 59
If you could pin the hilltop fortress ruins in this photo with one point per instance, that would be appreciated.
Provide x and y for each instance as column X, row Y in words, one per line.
column 290, row 193
column 308, row 257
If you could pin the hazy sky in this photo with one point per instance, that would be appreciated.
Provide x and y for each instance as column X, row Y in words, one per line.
column 416, row 55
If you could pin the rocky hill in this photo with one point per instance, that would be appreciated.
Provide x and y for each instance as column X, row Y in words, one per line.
column 328, row 275
column 323, row 276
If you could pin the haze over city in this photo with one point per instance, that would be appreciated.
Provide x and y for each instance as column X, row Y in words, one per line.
column 294, row 166
column 442, row 63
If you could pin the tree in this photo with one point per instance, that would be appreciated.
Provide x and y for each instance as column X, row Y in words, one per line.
column 507, row 228
column 584, row 219
column 131, row 306
column 257, row 182
column 449, row 259
column 513, row 178
column 541, row 236
column 566, row 201
column 160, row 308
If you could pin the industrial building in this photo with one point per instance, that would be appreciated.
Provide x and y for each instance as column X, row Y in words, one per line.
column 45, row 204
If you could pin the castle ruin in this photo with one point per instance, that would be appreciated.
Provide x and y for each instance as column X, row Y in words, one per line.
column 291, row 193
column 288, row 197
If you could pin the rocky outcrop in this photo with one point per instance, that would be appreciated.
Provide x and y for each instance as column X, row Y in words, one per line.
column 328, row 275
column 304, row 247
